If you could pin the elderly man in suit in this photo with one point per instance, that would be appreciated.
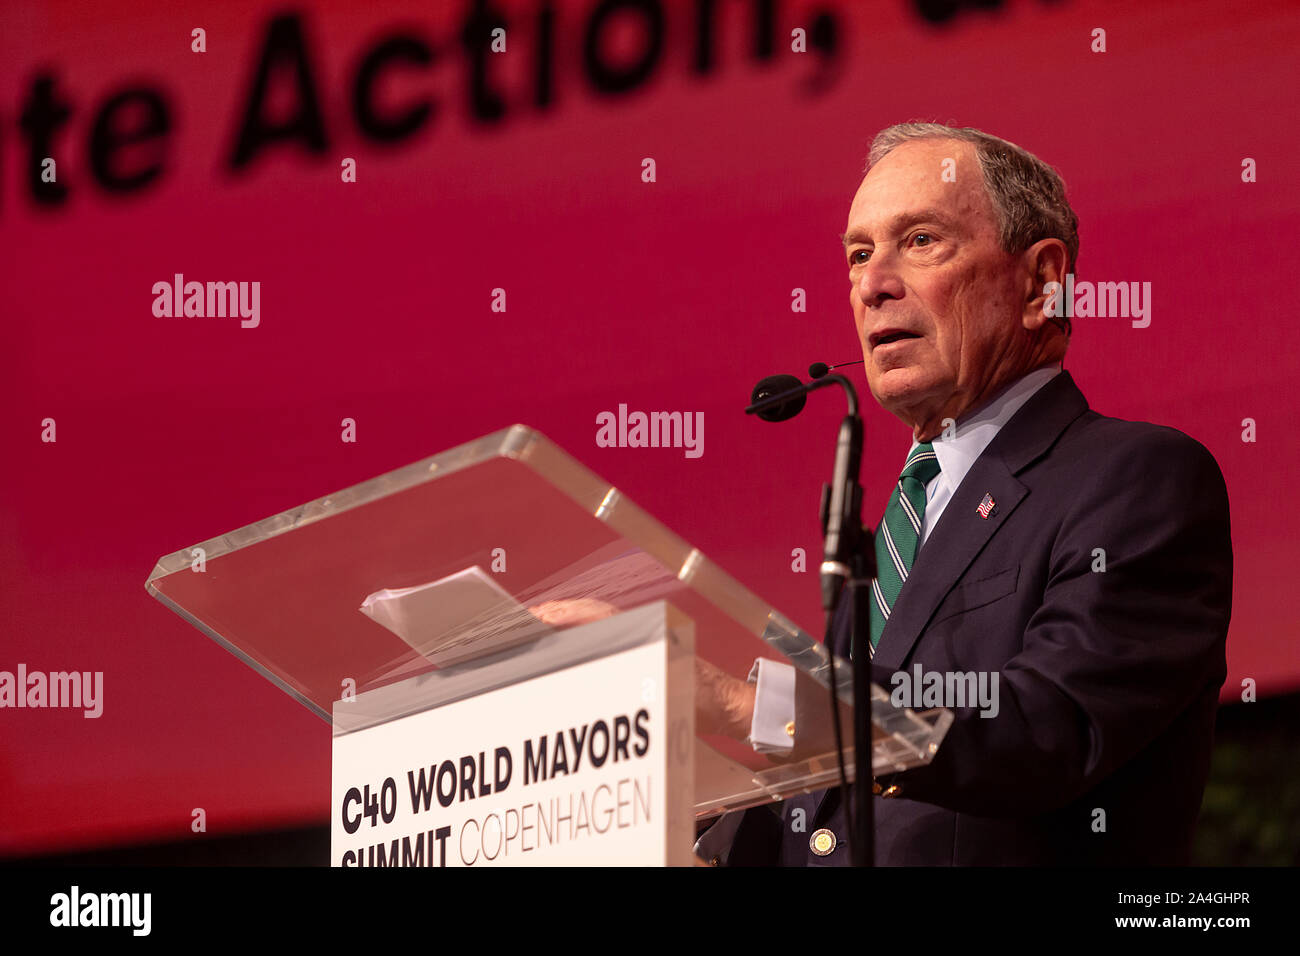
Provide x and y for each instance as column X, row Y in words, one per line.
column 1083, row 561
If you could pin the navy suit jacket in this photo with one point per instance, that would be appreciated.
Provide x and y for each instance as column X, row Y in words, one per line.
column 1108, row 680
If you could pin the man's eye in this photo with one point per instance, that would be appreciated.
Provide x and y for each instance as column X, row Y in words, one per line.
column 923, row 235
column 859, row 257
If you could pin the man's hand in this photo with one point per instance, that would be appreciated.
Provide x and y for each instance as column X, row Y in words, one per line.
column 724, row 705
column 572, row 612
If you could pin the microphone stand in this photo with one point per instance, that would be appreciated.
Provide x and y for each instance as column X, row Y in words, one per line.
column 848, row 567
column 857, row 591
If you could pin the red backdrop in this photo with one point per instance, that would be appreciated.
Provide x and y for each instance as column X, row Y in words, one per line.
column 376, row 305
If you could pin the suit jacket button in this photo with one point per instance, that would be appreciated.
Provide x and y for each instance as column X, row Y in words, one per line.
column 822, row 842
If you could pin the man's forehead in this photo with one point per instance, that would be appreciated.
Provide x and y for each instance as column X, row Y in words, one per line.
column 936, row 180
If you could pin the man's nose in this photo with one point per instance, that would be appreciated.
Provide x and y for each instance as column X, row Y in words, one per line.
column 879, row 280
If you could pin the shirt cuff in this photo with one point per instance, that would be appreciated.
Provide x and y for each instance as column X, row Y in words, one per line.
column 772, row 730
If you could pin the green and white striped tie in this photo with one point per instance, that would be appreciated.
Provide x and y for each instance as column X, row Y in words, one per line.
column 898, row 535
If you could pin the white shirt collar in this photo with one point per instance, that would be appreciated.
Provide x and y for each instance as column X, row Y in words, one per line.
column 976, row 429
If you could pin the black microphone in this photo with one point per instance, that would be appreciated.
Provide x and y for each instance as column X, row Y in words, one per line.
column 819, row 369
column 790, row 393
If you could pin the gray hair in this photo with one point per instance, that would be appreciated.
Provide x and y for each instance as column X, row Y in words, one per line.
column 1028, row 195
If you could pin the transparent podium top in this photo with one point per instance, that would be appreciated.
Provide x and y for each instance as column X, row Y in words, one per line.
column 479, row 549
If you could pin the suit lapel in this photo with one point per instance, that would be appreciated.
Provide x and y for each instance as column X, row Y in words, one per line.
column 962, row 533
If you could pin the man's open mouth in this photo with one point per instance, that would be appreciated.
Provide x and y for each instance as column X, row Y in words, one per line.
column 889, row 337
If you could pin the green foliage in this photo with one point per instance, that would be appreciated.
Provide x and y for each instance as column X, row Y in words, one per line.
column 1250, row 815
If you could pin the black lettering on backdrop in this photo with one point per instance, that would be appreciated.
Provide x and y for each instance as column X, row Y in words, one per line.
column 941, row 11
column 764, row 22
column 544, row 81
column 611, row 79
column 111, row 137
column 128, row 142
column 43, row 116
column 823, row 36
column 284, row 49
column 390, row 127
column 485, row 104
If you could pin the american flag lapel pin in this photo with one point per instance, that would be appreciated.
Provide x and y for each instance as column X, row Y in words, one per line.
column 986, row 506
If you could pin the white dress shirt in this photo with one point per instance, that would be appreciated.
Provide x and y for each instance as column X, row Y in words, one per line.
column 774, row 695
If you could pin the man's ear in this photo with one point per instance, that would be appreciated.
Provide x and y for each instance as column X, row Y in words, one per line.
column 1044, row 268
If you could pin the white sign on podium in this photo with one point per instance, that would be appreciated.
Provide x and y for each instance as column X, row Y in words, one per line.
column 588, row 763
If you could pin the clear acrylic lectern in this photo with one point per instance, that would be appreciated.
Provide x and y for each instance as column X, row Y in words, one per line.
column 478, row 554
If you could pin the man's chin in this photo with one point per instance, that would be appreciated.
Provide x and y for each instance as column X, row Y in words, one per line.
column 899, row 390
column 899, row 384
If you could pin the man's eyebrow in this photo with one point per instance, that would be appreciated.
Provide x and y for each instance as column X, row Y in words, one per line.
column 899, row 223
